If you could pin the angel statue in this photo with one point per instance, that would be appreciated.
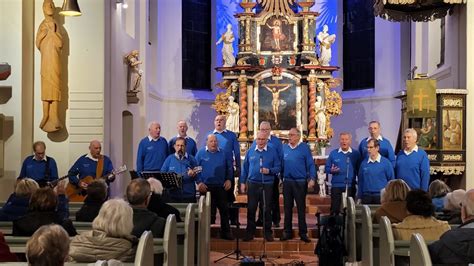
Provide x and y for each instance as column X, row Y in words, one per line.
column 135, row 73
column 325, row 41
column 320, row 117
column 227, row 50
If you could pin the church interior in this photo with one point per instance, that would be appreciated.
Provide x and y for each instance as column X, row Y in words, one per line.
column 321, row 68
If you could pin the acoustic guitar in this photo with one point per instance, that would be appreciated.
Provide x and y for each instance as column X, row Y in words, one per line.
column 54, row 183
column 75, row 193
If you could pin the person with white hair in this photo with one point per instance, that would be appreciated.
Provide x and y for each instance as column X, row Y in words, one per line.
column 157, row 204
column 412, row 165
column 49, row 245
column 456, row 245
column 152, row 150
column 111, row 235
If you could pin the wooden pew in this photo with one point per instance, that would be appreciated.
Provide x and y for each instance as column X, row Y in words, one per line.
column 369, row 237
column 351, row 230
column 419, row 254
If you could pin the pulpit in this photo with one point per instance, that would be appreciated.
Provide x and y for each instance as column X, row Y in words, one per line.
column 442, row 136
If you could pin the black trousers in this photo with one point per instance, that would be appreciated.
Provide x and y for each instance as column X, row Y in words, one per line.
column 176, row 196
column 336, row 199
column 371, row 198
column 233, row 213
column 219, row 201
column 275, row 208
column 295, row 192
column 255, row 197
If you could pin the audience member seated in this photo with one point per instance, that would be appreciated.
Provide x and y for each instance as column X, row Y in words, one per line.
column 420, row 219
column 42, row 211
column 5, row 254
column 110, row 237
column 96, row 196
column 157, row 205
column 393, row 202
column 17, row 204
column 456, row 246
column 452, row 207
column 438, row 190
column 138, row 195
column 49, row 245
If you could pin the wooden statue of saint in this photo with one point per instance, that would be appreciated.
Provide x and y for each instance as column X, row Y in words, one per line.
column 50, row 42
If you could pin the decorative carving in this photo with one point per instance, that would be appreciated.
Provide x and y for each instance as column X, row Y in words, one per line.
column 134, row 76
column 243, row 61
column 432, row 157
column 280, row 7
column 243, row 107
column 452, row 102
column 312, row 111
column 452, row 157
column 447, row 170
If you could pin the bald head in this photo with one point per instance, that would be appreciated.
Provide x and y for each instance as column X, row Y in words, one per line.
column 262, row 139
column 219, row 123
column 467, row 211
column 211, row 143
column 182, row 128
column 95, row 148
column 154, row 129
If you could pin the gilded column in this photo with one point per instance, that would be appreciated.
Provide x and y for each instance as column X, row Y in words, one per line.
column 247, row 35
column 243, row 106
column 312, row 112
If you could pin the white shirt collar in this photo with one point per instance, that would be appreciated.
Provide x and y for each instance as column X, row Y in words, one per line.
column 220, row 132
column 412, row 150
column 177, row 156
column 296, row 146
column 44, row 158
column 379, row 138
column 264, row 148
column 376, row 159
column 345, row 152
column 89, row 155
column 152, row 139
column 207, row 149
column 178, row 136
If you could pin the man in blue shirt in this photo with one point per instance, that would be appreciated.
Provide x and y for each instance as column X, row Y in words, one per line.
column 185, row 165
column 386, row 149
column 152, row 150
column 191, row 147
column 374, row 174
column 230, row 145
column 298, row 167
column 343, row 165
column 92, row 164
column 38, row 166
column 216, row 178
column 413, row 165
column 274, row 142
column 258, row 173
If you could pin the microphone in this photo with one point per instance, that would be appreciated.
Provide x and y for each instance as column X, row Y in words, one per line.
column 261, row 161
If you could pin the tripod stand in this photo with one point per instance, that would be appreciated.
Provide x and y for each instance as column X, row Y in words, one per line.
column 236, row 251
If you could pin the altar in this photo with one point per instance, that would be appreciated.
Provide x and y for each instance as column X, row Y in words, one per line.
column 281, row 74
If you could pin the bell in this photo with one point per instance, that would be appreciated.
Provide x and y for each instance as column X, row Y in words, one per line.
column 70, row 8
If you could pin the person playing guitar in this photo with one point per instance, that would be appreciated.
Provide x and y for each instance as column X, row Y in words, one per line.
column 89, row 167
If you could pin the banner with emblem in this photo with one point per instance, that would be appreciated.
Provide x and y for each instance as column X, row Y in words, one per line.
column 421, row 98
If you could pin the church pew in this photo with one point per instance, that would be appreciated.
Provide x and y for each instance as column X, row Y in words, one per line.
column 420, row 256
column 350, row 230
column 369, row 238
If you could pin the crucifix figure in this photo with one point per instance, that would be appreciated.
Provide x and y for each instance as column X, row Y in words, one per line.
column 420, row 97
column 276, row 96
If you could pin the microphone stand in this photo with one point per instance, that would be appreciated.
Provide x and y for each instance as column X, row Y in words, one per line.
column 264, row 255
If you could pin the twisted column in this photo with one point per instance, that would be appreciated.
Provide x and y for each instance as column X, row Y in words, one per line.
column 243, row 107
column 312, row 112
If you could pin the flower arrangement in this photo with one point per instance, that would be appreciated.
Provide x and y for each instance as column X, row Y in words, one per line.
column 323, row 143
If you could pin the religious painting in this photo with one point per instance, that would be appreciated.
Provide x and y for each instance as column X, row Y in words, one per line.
column 452, row 129
column 278, row 102
column 277, row 34
column 421, row 98
column 427, row 132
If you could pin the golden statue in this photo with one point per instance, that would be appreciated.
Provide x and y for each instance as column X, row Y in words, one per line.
column 50, row 42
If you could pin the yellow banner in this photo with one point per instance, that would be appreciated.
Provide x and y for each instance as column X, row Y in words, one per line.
column 421, row 98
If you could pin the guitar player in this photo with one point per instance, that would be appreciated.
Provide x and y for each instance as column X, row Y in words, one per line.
column 38, row 166
column 89, row 165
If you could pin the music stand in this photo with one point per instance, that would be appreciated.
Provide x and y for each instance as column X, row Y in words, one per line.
column 168, row 180
column 236, row 251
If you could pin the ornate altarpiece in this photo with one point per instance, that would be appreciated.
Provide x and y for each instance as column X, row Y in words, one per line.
column 277, row 77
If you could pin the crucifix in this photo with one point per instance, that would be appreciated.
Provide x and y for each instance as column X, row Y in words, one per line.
column 275, row 89
column 420, row 96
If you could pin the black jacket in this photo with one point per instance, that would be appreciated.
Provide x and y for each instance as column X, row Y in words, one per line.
column 89, row 210
column 455, row 247
column 158, row 206
column 144, row 219
column 28, row 224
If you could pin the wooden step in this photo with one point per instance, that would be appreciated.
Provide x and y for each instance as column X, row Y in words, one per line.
column 255, row 247
column 277, row 232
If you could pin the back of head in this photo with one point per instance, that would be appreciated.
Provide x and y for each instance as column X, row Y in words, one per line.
column 97, row 190
column 454, row 199
column 155, row 185
column 25, row 187
column 48, row 246
column 419, row 203
column 115, row 218
column 396, row 190
column 438, row 189
column 138, row 191
column 468, row 205
column 43, row 199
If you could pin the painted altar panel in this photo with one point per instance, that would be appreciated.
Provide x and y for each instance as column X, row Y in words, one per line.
column 452, row 129
column 277, row 34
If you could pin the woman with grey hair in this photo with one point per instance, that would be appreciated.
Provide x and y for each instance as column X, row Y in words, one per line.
column 110, row 237
column 49, row 245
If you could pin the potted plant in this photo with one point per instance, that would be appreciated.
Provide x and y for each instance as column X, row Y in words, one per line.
column 322, row 145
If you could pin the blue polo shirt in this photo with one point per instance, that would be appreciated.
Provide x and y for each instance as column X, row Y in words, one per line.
column 374, row 175
column 339, row 159
column 386, row 149
column 216, row 167
column 298, row 164
column 228, row 142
